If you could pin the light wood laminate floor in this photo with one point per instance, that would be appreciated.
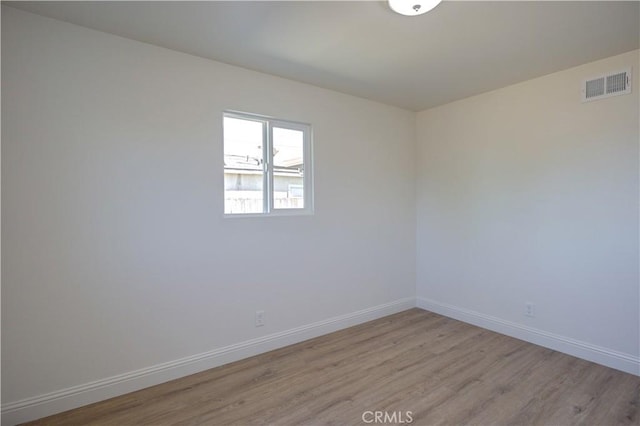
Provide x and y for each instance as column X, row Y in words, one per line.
column 440, row 370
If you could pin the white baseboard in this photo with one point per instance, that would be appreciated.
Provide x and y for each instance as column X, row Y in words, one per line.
column 66, row 399
column 610, row 358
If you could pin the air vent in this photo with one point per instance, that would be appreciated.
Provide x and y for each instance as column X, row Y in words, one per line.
column 605, row 86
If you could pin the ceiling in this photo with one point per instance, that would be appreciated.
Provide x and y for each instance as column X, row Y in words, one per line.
column 457, row 50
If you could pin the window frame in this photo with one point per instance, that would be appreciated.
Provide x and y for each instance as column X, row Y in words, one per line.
column 268, row 123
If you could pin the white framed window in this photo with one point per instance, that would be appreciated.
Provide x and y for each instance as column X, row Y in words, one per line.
column 267, row 165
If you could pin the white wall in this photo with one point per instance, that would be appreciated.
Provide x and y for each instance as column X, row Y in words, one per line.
column 525, row 194
column 116, row 255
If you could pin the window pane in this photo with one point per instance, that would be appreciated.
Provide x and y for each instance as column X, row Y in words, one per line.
column 243, row 166
column 288, row 168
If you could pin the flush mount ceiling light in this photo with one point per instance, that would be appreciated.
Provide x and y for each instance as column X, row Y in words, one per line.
column 412, row 7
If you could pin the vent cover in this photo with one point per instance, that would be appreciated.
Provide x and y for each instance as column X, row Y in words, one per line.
column 605, row 86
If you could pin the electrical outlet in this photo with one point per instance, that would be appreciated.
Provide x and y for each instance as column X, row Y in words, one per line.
column 530, row 309
column 259, row 318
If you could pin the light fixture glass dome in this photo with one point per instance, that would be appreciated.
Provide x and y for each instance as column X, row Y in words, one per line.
column 412, row 7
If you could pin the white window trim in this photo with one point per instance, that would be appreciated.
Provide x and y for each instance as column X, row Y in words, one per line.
column 268, row 124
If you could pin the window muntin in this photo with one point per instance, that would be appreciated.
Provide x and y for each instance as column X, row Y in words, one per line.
column 267, row 165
